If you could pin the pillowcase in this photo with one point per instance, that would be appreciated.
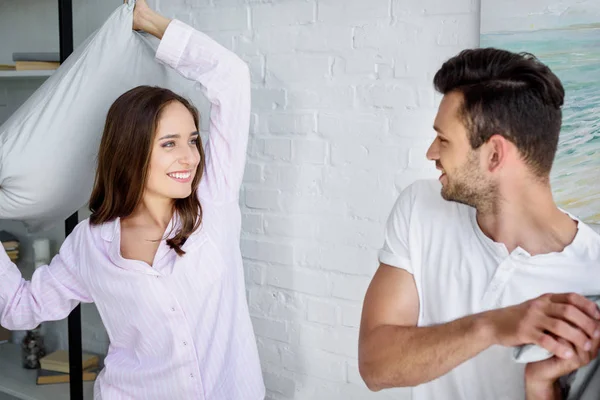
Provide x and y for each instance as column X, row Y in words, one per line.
column 532, row 353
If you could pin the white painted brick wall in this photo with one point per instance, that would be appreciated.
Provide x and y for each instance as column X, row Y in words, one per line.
column 343, row 106
column 342, row 111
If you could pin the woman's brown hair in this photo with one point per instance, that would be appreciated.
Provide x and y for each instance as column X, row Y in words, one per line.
column 124, row 157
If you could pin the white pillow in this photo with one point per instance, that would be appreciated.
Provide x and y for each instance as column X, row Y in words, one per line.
column 48, row 147
column 531, row 353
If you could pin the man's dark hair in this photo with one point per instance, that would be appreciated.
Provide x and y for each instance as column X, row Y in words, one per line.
column 513, row 95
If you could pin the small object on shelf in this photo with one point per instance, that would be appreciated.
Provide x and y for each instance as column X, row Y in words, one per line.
column 59, row 361
column 33, row 348
column 45, row 377
column 7, row 67
column 41, row 252
column 35, row 65
column 37, row 56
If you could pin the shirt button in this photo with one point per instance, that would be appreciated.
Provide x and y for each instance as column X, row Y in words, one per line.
column 191, row 375
column 185, row 343
column 172, row 308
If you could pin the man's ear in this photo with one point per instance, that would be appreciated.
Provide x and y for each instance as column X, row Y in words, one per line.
column 496, row 153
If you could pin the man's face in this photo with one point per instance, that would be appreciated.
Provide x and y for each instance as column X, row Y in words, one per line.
column 463, row 178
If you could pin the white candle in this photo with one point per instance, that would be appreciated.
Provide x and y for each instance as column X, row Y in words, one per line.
column 41, row 252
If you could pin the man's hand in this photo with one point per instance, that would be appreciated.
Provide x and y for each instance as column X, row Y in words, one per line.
column 547, row 319
column 541, row 377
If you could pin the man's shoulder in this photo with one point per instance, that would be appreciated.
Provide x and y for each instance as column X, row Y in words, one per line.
column 425, row 186
column 420, row 190
column 588, row 241
column 424, row 195
column 595, row 227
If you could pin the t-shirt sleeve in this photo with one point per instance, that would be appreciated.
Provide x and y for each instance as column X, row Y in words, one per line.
column 396, row 250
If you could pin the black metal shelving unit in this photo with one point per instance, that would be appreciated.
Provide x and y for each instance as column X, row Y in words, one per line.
column 65, row 28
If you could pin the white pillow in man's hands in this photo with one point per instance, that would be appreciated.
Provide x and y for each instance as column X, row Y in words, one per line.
column 531, row 352
column 48, row 147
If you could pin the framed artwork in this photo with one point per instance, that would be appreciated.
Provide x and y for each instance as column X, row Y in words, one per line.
column 565, row 35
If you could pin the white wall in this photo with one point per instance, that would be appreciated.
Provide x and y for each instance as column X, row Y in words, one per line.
column 342, row 111
column 343, row 106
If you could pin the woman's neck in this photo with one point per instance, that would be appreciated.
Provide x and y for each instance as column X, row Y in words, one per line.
column 153, row 212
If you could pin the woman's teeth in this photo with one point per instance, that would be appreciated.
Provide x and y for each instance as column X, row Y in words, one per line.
column 180, row 175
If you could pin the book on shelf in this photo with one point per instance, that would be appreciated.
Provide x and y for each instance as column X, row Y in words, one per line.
column 58, row 361
column 9, row 241
column 36, row 65
column 46, row 377
column 30, row 66
column 13, row 255
column 10, row 244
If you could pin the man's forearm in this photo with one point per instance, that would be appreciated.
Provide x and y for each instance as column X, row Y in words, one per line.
column 398, row 356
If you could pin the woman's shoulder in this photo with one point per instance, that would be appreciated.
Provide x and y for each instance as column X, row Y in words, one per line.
column 85, row 231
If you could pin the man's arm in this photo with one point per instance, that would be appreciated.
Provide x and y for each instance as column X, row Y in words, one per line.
column 394, row 352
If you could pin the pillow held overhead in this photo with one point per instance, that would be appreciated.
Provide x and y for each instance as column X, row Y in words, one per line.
column 49, row 146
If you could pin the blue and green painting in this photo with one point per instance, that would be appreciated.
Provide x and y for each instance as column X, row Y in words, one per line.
column 565, row 35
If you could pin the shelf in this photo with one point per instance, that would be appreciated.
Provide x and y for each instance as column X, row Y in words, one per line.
column 26, row 74
column 20, row 382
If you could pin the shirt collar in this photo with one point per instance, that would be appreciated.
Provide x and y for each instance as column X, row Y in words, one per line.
column 108, row 229
column 501, row 251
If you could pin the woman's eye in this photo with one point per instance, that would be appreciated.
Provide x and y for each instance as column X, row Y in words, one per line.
column 194, row 142
column 168, row 144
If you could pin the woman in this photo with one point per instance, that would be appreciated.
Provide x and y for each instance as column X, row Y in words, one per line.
column 160, row 253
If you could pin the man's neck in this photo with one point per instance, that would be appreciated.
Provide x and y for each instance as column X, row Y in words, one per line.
column 528, row 218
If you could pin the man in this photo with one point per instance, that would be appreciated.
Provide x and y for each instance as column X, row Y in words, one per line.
column 484, row 260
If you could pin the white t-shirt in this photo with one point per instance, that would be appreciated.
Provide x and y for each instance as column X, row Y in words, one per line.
column 458, row 271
